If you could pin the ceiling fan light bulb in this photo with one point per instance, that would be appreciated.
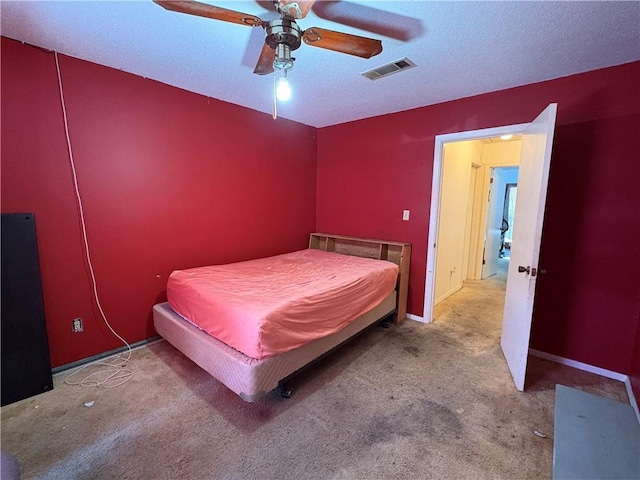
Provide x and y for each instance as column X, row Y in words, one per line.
column 283, row 89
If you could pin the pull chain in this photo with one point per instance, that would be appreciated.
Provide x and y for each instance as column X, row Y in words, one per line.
column 275, row 99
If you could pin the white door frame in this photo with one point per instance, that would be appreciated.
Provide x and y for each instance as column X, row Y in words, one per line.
column 436, row 186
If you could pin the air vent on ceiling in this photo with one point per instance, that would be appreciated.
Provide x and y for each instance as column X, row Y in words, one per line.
column 389, row 69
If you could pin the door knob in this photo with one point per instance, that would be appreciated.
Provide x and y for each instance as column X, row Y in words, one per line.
column 522, row 269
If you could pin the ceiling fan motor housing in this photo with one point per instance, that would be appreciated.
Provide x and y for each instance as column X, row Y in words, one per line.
column 284, row 36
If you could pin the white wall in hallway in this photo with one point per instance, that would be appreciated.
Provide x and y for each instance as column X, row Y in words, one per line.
column 458, row 159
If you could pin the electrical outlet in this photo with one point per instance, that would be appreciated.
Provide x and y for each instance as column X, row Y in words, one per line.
column 76, row 325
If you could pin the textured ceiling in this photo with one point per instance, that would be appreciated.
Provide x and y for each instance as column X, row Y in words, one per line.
column 460, row 48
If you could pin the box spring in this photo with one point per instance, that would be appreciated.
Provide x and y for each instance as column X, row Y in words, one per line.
column 248, row 377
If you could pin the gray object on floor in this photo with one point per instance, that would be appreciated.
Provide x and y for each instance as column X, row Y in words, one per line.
column 9, row 468
column 595, row 437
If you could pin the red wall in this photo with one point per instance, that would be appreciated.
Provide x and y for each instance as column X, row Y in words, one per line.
column 586, row 304
column 169, row 179
column 635, row 365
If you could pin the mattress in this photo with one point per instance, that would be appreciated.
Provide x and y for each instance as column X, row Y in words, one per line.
column 248, row 377
column 273, row 305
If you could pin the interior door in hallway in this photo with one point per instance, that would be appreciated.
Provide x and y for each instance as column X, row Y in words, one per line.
column 535, row 159
column 492, row 229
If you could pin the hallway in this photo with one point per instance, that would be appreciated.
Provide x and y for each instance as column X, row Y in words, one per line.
column 478, row 305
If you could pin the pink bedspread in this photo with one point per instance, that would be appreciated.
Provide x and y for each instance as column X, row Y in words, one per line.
column 272, row 305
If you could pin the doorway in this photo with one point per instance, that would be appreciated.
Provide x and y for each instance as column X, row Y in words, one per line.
column 471, row 268
column 470, row 233
column 498, row 223
column 535, row 158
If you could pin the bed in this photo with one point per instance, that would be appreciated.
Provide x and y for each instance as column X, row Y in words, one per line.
column 236, row 334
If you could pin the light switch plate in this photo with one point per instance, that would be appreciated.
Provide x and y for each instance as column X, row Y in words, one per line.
column 405, row 215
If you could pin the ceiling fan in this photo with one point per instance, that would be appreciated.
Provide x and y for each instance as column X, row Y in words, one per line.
column 283, row 35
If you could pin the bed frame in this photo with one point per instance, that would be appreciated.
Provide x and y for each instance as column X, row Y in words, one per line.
column 251, row 378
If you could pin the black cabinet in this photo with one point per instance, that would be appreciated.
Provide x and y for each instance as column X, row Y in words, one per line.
column 26, row 368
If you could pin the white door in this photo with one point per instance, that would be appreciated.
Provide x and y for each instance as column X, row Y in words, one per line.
column 535, row 158
column 493, row 224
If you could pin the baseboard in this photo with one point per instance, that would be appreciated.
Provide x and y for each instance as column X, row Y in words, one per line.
column 632, row 398
column 416, row 318
column 447, row 295
column 603, row 372
column 100, row 356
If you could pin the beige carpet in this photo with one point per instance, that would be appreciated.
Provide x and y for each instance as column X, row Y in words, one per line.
column 416, row 401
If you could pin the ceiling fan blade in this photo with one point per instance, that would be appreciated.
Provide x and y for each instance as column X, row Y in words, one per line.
column 362, row 17
column 265, row 61
column 295, row 8
column 209, row 11
column 342, row 42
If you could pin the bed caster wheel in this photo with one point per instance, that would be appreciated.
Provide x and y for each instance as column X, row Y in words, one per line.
column 285, row 392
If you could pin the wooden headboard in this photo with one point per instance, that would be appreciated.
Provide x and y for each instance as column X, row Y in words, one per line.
column 396, row 252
